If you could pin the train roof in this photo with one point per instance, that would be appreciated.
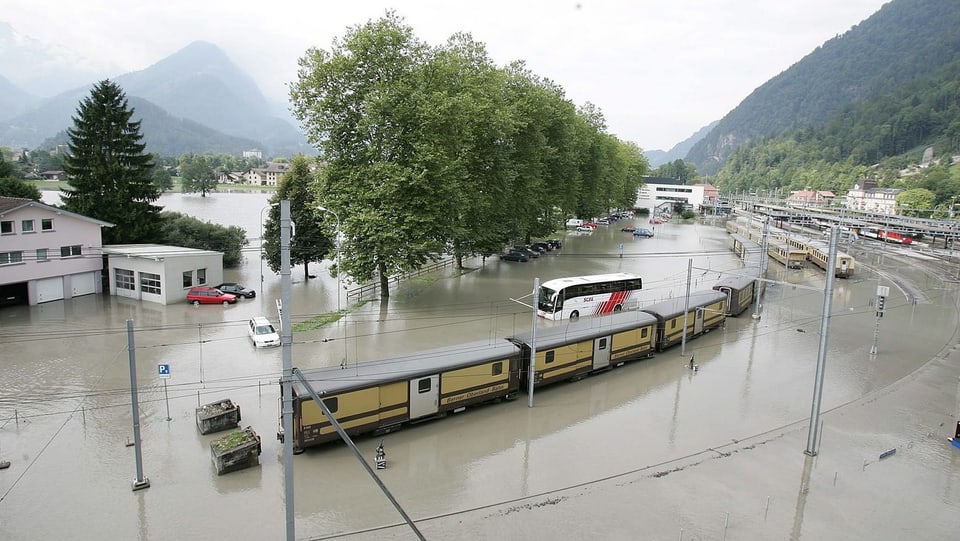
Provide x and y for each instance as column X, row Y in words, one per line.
column 738, row 281
column 586, row 328
column 675, row 307
column 331, row 380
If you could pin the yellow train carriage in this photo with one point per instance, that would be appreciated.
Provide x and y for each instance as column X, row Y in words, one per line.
column 573, row 351
column 704, row 310
column 382, row 395
column 788, row 256
column 818, row 252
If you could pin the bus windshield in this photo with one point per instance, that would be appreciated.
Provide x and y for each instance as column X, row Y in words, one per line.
column 547, row 301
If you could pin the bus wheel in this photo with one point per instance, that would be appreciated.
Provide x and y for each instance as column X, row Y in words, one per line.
column 618, row 307
column 574, row 315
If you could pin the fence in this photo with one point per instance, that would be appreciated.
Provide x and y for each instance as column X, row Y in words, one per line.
column 370, row 290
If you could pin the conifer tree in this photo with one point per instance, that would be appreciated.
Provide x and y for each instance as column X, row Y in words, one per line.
column 108, row 171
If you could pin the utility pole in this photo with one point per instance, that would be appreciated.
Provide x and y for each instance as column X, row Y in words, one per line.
column 286, row 343
column 140, row 482
column 812, row 436
column 882, row 293
column 533, row 343
column 760, row 285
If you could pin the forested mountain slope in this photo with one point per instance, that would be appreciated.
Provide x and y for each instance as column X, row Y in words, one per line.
column 904, row 40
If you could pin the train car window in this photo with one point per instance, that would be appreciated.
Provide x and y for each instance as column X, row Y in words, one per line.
column 333, row 404
column 497, row 369
column 423, row 386
column 643, row 332
column 548, row 357
column 603, row 343
column 673, row 324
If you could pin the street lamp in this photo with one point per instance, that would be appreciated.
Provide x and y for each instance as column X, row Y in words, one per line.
column 339, row 270
column 261, row 244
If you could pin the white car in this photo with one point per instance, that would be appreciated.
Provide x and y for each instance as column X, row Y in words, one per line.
column 263, row 333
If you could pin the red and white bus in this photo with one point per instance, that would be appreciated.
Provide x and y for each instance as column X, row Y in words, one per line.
column 885, row 235
column 588, row 295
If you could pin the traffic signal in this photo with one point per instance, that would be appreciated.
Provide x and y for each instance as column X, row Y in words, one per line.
column 880, row 302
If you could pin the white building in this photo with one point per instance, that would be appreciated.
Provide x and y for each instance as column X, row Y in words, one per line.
column 661, row 192
column 47, row 253
column 866, row 197
column 161, row 274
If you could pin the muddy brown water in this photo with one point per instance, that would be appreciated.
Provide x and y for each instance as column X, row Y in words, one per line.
column 503, row 470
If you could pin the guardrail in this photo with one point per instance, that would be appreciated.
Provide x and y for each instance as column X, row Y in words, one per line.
column 369, row 290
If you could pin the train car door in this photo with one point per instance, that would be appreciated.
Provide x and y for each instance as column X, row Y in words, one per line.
column 424, row 396
column 601, row 352
column 698, row 321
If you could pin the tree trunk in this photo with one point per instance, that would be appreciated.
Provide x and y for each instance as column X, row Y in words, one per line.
column 306, row 271
column 384, row 282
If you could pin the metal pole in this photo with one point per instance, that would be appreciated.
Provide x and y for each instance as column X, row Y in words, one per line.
column 286, row 343
column 531, row 372
column 686, row 308
column 812, row 443
column 760, row 285
column 140, row 482
column 166, row 398
column 337, row 216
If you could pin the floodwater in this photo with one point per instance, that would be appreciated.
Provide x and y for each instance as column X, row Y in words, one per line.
column 589, row 460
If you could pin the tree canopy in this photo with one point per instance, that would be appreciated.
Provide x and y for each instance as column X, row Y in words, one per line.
column 432, row 151
column 108, row 171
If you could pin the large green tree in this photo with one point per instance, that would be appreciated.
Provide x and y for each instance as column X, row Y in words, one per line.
column 356, row 102
column 314, row 228
column 107, row 169
column 197, row 175
column 14, row 187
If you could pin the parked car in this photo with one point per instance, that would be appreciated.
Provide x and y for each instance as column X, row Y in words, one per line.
column 531, row 253
column 555, row 243
column 262, row 332
column 209, row 295
column 585, row 229
column 642, row 232
column 236, row 289
column 542, row 246
column 629, row 229
column 515, row 256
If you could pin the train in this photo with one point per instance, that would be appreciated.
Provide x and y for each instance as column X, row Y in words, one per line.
column 886, row 235
column 789, row 249
column 377, row 397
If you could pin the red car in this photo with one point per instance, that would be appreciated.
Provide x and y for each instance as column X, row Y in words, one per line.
column 209, row 295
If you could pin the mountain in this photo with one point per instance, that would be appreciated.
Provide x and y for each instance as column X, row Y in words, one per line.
column 656, row 158
column 13, row 99
column 904, row 40
column 196, row 94
column 45, row 70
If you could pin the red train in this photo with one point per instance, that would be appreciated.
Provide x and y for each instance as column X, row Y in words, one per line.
column 886, row 235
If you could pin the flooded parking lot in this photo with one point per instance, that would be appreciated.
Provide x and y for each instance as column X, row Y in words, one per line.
column 666, row 448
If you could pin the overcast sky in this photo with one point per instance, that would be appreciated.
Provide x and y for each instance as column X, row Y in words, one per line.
column 658, row 69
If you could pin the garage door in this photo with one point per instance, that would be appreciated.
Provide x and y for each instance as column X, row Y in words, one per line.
column 49, row 289
column 83, row 284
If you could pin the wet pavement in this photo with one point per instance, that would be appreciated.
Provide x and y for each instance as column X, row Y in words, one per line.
column 647, row 451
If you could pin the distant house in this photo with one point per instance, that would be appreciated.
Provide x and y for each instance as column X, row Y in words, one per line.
column 865, row 196
column 53, row 175
column 808, row 198
column 158, row 273
column 46, row 253
column 233, row 177
column 267, row 176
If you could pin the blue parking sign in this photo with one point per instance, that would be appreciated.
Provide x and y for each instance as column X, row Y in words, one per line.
column 163, row 370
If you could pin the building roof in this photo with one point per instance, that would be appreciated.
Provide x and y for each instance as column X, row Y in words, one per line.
column 10, row 204
column 154, row 251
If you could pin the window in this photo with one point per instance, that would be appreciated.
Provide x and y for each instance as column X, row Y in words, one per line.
column 187, row 278
column 26, row 226
column 332, row 404
column 46, row 224
column 70, row 251
column 602, row 345
column 150, row 283
column 6, row 227
column 643, row 332
column 548, row 358
column 124, row 279
column 497, row 369
column 423, row 386
column 201, row 276
column 11, row 258
column 41, row 254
